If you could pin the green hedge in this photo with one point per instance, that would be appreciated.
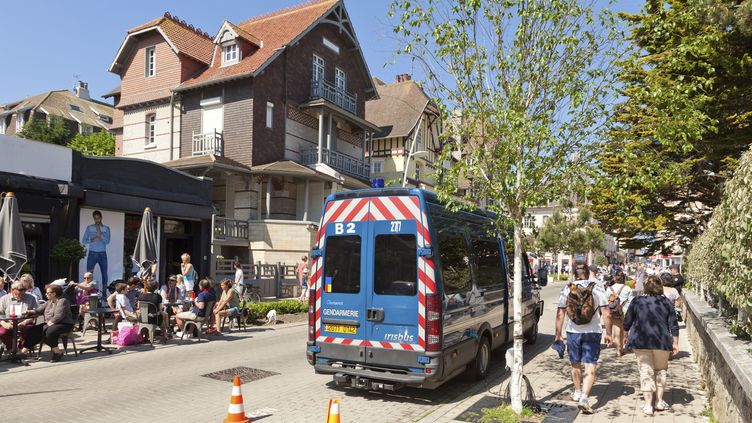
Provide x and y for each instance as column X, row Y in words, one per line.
column 562, row 277
column 258, row 311
column 720, row 260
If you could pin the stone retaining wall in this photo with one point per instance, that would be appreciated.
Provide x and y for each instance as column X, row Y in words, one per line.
column 724, row 361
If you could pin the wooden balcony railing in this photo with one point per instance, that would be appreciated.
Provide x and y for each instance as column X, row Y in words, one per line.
column 230, row 229
column 338, row 161
column 208, row 143
column 324, row 89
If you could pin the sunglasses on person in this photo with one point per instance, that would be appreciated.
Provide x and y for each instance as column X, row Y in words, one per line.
column 21, row 289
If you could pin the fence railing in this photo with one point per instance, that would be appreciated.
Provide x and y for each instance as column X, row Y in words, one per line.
column 274, row 280
column 340, row 162
column 208, row 143
column 230, row 229
column 321, row 88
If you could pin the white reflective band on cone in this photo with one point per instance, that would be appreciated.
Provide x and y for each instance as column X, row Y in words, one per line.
column 236, row 409
column 236, row 391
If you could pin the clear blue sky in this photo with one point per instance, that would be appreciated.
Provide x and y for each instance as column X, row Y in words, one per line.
column 54, row 43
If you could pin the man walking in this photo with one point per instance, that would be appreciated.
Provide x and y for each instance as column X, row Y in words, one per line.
column 582, row 302
column 678, row 279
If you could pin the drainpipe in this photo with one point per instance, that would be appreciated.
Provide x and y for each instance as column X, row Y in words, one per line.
column 172, row 122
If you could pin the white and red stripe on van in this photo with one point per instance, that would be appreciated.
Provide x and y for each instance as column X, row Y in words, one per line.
column 370, row 209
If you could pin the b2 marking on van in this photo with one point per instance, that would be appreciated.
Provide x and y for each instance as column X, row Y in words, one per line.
column 396, row 226
column 339, row 228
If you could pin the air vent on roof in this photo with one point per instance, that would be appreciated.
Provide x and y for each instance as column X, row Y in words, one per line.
column 75, row 108
column 105, row 118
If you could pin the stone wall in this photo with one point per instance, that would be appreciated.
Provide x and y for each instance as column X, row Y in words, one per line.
column 724, row 361
column 279, row 241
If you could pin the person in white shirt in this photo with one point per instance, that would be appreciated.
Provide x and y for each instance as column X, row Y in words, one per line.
column 583, row 340
column 122, row 304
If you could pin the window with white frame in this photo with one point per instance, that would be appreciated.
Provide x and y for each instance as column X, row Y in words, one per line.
column 528, row 222
column 340, row 79
column 20, row 121
column 376, row 166
column 318, row 68
column 151, row 129
column 229, row 54
column 2, row 124
column 151, row 59
column 269, row 114
column 86, row 129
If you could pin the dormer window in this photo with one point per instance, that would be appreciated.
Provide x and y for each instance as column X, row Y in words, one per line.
column 229, row 54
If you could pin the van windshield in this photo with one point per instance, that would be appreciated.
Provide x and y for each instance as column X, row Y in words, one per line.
column 396, row 270
column 342, row 264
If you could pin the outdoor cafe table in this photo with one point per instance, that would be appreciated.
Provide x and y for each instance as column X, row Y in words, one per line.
column 14, row 356
column 100, row 312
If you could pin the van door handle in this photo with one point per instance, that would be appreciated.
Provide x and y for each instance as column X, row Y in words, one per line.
column 375, row 314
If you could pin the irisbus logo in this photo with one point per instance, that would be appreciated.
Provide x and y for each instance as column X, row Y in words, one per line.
column 398, row 337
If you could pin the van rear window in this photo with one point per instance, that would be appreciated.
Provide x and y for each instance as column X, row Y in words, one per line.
column 342, row 264
column 455, row 263
column 396, row 269
column 488, row 260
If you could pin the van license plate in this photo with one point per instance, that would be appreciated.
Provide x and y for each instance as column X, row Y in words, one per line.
column 350, row 330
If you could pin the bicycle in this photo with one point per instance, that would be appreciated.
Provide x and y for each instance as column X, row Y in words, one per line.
column 251, row 293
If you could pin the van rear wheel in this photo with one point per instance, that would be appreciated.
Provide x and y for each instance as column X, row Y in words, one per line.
column 478, row 368
column 532, row 335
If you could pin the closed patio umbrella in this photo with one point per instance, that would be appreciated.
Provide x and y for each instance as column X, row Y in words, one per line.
column 145, row 253
column 12, row 243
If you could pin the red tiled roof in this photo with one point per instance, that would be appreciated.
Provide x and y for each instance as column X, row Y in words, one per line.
column 244, row 34
column 188, row 40
column 275, row 30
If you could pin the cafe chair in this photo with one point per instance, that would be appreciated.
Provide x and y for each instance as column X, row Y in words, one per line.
column 200, row 322
column 88, row 318
column 145, row 312
column 64, row 338
column 239, row 320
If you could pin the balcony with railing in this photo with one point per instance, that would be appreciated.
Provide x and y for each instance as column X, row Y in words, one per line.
column 208, row 143
column 230, row 229
column 338, row 161
column 324, row 89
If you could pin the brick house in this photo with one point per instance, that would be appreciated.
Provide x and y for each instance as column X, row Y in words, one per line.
column 407, row 146
column 80, row 113
column 272, row 109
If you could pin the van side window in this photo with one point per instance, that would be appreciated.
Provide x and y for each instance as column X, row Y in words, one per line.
column 342, row 264
column 396, row 269
column 455, row 263
column 488, row 260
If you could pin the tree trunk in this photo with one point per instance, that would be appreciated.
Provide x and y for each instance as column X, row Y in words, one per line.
column 515, row 382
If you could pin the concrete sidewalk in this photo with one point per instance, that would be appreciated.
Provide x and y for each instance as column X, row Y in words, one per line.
column 615, row 397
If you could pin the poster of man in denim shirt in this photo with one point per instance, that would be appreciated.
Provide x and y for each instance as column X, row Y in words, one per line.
column 96, row 237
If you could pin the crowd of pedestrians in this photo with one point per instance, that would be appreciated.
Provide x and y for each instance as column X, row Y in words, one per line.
column 600, row 308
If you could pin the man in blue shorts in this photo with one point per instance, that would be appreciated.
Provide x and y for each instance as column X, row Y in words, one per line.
column 584, row 340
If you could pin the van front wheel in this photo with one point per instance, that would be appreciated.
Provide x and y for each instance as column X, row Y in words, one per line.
column 479, row 366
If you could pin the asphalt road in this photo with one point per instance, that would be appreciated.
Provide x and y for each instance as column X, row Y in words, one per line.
column 167, row 383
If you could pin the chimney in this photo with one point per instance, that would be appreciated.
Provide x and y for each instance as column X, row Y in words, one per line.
column 404, row 77
column 82, row 90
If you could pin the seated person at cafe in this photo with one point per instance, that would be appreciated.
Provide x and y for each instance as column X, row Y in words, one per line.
column 32, row 289
column 133, row 289
column 228, row 305
column 171, row 294
column 160, row 317
column 83, row 290
column 16, row 304
column 58, row 320
column 122, row 304
column 199, row 306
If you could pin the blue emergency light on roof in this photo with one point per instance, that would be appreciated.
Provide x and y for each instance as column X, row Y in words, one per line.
column 377, row 183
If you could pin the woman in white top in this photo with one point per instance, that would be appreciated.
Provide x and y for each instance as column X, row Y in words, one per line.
column 238, row 273
column 668, row 290
column 188, row 273
column 619, row 289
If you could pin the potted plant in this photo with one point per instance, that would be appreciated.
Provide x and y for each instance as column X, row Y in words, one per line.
column 70, row 251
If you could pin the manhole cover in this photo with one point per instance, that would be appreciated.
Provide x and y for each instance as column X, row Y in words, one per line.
column 246, row 374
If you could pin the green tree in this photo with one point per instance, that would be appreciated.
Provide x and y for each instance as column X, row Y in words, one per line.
column 684, row 121
column 577, row 234
column 100, row 143
column 52, row 130
column 525, row 85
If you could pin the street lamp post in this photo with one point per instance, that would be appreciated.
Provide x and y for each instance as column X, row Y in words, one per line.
column 407, row 165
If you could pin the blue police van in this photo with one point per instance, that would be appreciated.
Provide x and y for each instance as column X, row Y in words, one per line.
column 405, row 292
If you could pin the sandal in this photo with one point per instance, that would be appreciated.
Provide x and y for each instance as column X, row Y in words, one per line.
column 647, row 410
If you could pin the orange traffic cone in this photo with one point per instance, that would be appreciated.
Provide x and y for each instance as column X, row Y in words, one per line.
column 236, row 412
column 332, row 416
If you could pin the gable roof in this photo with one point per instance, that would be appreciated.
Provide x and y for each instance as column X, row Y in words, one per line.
column 67, row 105
column 276, row 30
column 182, row 38
column 398, row 108
column 240, row 32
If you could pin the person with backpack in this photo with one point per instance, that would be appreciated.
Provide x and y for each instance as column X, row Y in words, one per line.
column 582, row 302
column 620, row 295
column 653, row 335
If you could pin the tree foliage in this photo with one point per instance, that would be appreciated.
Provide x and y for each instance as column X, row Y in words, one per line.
column 523, row 84
column 721, row 258
column 100, row 143
column 570, row 234
column 683, row 124
column 52, row 130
